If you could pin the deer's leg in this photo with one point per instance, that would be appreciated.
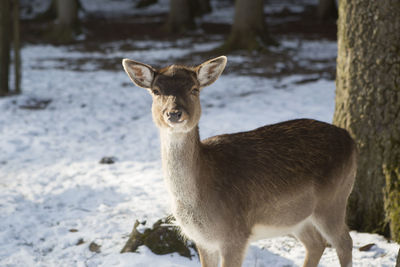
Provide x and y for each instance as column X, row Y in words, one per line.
column 314, row 244
column 331, row 223
column 208, row 258
column 232, row 255
column 343, row 244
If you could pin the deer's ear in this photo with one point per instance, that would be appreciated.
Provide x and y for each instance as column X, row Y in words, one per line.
column 141, row 74
column 209, row 71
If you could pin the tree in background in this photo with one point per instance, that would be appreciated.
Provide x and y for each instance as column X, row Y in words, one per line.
column 5, row 26
column 200, row 7
column 368, row 105
column 66, row 25
column 5, row 40
column 16, row 42
column 145, row 3
column 249, row 29
column 50, row 13
column 64, row 14
column 183, row 12
column 327, row 9
column 180, row 18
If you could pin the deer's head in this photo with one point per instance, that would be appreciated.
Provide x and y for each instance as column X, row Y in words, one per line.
column 175, row 90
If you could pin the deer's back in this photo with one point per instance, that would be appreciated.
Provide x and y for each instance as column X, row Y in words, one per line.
column 277, row 160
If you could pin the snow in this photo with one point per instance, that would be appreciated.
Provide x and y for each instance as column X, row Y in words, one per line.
column 51, row 181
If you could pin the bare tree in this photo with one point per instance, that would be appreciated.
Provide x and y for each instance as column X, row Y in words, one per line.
column 145, row 3
column 180, row 18
column 249, row 29
column 368, row 106
column 327, row 9
column 67, row 12
column 50, row 13
column 16, row 41
column 8, row 30
column 200, row 7
column 66, row 24
column 5, row 26
column 183, row 12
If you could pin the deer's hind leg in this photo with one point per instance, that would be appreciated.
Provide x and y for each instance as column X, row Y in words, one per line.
column 330, row 221
column 313, row 242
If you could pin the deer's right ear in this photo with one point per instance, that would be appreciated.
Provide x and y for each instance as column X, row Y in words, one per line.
column 141, row 74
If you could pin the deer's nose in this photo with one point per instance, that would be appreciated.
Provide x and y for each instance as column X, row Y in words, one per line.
column 174, row 116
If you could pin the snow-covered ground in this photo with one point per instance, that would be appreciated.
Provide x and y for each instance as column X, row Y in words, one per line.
column 55, row 196
column 51, row 180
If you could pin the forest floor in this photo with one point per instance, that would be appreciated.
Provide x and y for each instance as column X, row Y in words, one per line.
column 295, row 27
column 78, row 106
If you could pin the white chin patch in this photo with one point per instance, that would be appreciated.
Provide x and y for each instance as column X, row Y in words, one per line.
column 177, row 124
column 179, row 127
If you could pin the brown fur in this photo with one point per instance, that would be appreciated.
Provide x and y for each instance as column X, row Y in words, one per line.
column 292, row 177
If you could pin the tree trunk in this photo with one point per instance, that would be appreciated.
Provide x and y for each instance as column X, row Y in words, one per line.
column 50, row 13
column 200, row 7
column 182, row 13
column 180, row 18
column 5, row 26
column 17, row 54
column 368, row 105
column 67, row 12
column 249, row 30
column 145, row 3
column 398, row 259
column 327, row 9
column 66, row 25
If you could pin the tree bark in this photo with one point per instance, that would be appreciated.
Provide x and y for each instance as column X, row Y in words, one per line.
column 5, row 26
column 368, row 106
column 17, row 54
column 249, row 29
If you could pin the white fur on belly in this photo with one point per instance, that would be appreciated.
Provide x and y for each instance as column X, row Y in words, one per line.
column 261, row 231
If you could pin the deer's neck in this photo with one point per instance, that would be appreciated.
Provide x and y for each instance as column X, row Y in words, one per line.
column 180, row 159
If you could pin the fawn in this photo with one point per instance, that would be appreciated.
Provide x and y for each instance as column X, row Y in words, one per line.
column 291, row 178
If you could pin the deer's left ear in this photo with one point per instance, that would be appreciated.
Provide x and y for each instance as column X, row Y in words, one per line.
column 209, row 71
column 141, row 74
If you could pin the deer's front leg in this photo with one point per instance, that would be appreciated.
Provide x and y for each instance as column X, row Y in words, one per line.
column 208, row 258
column 233, row 254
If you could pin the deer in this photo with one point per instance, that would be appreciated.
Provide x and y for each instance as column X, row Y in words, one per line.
column 289, row 178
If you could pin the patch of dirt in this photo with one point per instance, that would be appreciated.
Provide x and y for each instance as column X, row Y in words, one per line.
column 304, row 25
column 35, row 104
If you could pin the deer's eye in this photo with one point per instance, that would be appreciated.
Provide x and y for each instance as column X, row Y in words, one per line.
column 155, row 91
column 195, row 91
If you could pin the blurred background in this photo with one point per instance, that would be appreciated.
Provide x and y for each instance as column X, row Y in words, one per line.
column 270, row 34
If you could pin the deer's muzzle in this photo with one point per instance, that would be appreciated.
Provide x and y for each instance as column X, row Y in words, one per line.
column 174, row 116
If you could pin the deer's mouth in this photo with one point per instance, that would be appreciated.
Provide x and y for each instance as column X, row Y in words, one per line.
column 176, row 123
column 176, row 118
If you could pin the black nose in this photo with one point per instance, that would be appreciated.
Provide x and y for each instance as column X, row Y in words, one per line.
column 174, row 116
